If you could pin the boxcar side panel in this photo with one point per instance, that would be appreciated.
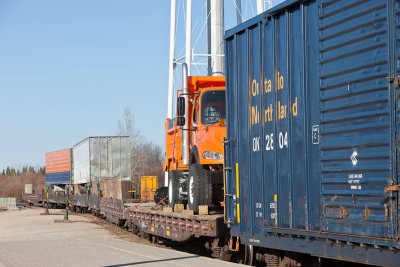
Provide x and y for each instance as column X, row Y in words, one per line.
column 396, row 30
column 357, row 109
column 243, row 152
column 327, row 77
column 269, row 162
column 230, row 155
column 255, row 175
column 273, row 150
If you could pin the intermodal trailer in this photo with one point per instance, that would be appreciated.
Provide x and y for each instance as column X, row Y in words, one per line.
column 311, row 154
column 101, row 157
column 58, row 166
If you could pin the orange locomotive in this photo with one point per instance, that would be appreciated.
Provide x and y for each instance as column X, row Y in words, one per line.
column 194, row 142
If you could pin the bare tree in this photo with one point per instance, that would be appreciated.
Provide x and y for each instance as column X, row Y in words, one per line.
column 126, row 126
column 146, row 157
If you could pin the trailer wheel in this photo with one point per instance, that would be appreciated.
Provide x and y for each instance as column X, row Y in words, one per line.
column 173, row 189
column 199, row 188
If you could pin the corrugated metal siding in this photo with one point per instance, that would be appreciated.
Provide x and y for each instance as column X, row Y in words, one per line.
column 230, row 156
column 327, row 61
column 356, row 118
column 81, row 162
column 95, row 161
column 58, row 178
column 97, row 158
column 271, row 78
column 397, row 68
column 125, row 163
column 116, row 155
column 58, row 161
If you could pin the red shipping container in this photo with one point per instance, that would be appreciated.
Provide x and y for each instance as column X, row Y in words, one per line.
column 58, row 161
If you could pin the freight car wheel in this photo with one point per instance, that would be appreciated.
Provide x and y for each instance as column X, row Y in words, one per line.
column 200, row 188
column 173, row 189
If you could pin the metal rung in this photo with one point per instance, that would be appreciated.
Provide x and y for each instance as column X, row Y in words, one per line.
column 392, row 188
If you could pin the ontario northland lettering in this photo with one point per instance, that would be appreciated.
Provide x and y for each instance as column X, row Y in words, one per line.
column 279, row 111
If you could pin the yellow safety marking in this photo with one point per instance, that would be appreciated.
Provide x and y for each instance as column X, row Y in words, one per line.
column 237, row 194
column 275, row 198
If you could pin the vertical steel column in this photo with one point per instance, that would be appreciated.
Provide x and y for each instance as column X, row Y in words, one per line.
column 188, row 56
column 171, row 60
column 260, row 6
column 216, row 37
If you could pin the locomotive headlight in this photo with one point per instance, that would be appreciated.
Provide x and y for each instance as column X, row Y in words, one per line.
column 212, row 155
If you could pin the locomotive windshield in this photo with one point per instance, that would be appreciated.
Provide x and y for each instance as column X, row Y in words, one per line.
column 213, row 107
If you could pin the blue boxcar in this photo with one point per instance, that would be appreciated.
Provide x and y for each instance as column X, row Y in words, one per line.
column 312, row 147
column 58, row 178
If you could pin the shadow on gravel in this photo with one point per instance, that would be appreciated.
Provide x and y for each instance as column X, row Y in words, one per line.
column 193, row 246
column 151, row 261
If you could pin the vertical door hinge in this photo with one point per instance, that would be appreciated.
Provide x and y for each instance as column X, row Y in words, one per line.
column 227, row 141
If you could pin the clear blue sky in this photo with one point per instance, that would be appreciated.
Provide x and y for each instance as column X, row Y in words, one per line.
column 69, row 68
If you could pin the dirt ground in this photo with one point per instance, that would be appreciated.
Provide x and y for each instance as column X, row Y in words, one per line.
column 29, row 239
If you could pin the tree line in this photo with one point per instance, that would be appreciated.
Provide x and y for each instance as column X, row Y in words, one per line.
column 10, row 171
column 13, row 181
